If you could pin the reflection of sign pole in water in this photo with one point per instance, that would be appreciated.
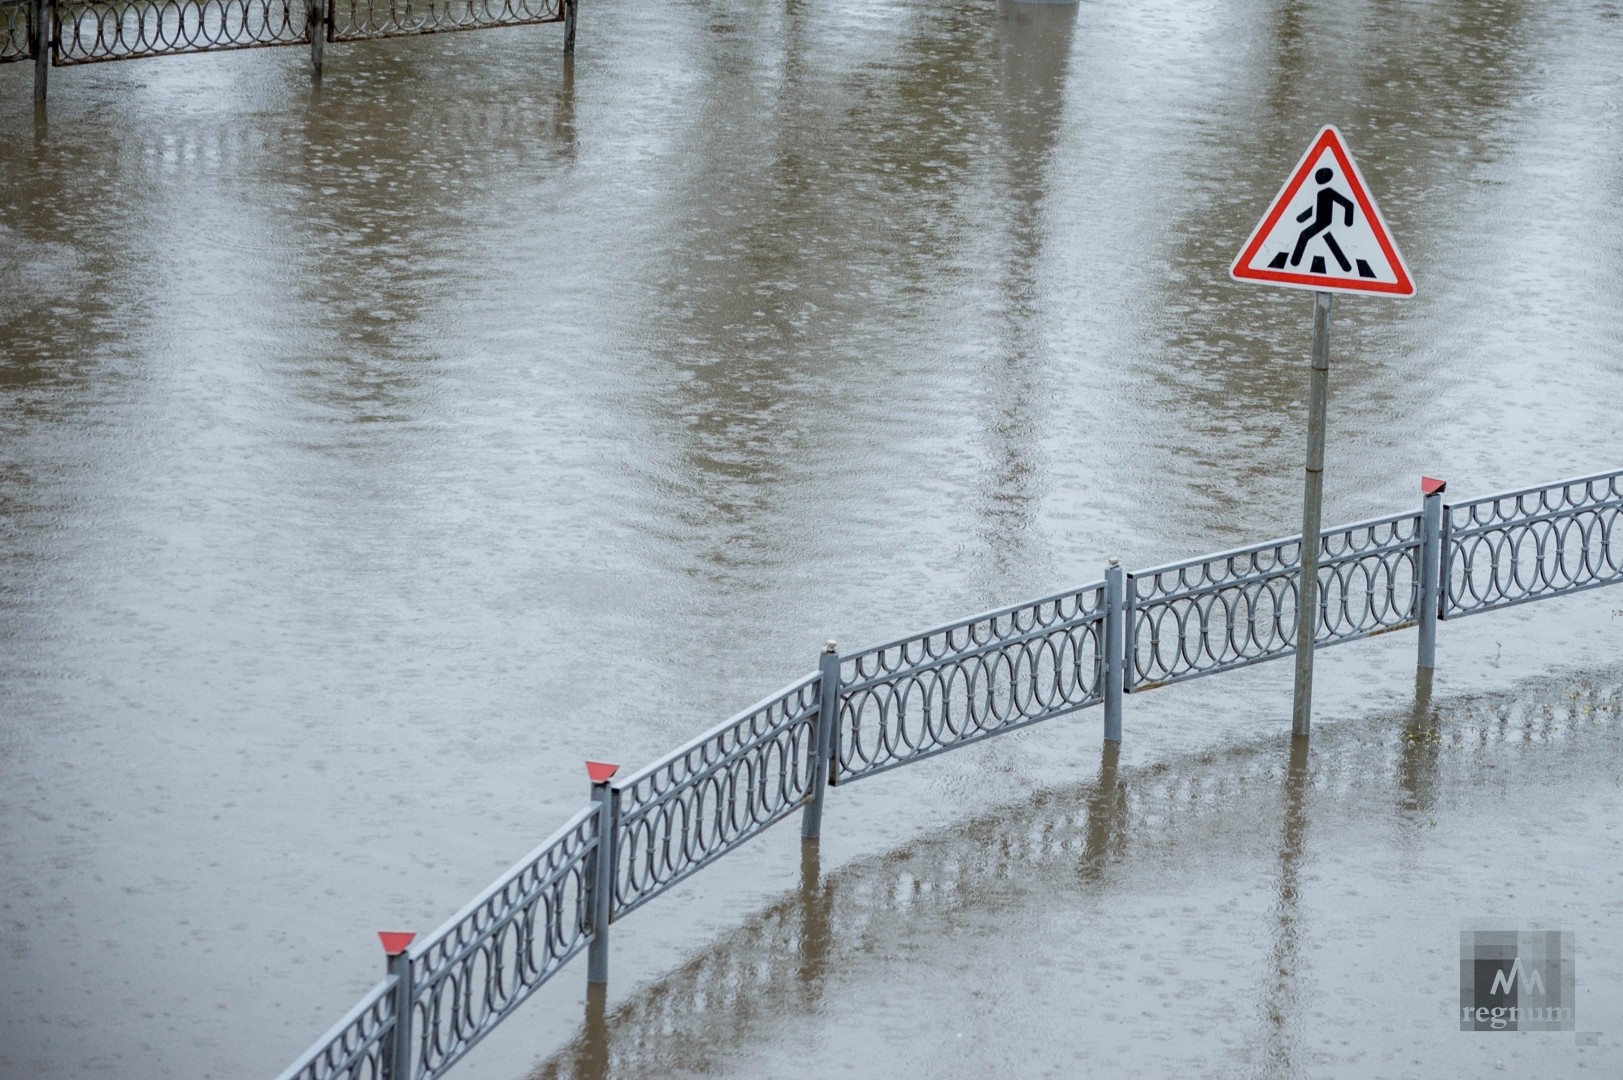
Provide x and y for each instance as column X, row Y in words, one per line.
column 1366, row 262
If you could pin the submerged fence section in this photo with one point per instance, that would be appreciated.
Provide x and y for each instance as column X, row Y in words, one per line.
column 681, row 813
column 863, row 714
column 60, row 33
column 1526, row 545
column 89, row 33
column 1237, row 608
column 967, row 681
column 446, row 992
column 15, row 26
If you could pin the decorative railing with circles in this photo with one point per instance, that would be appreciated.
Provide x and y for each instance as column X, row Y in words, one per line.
column 61, row 33
column 968, row 681
column 1238, row 608
column 88, row 33
column 1526, row 545
column 15, row 30
column 466, row 977
column 703, row 800
column 866, row 713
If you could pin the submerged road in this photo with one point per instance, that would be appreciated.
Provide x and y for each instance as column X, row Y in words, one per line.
column 371, row 455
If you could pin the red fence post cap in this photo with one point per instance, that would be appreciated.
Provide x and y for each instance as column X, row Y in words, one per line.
column 1431, row 486
column 394, row 941
column 600, row 771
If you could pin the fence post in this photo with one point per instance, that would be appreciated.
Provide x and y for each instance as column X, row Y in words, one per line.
column 569, row 26
column 1428, row 597
column 601, row 874
column 42, row 48
column 397, row 1062
column 828, row 704
column 1115, row 647
column 318, row 35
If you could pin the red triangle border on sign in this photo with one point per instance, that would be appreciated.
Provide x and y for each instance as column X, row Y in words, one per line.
column 1328, row 137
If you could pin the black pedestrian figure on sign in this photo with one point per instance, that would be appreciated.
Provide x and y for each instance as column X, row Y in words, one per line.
column 1323, row 212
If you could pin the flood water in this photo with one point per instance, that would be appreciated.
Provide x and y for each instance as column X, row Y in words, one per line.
column 371, row 455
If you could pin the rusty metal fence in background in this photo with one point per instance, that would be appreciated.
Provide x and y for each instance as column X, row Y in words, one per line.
column 89, row 33
column 15, row 26
column 958, row 684
column 60, row 33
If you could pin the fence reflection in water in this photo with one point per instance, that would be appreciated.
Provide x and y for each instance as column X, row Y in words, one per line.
column 1071, row 843
column 360, row 20
column 948, row 687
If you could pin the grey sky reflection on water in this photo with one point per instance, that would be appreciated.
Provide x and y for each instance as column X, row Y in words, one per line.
column 1410, row 95
column 756, row 992
column 1013, row 406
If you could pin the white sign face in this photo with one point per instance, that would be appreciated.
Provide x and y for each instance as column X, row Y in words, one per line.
column 1323, row 231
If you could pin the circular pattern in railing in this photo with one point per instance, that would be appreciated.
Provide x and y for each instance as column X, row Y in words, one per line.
column 14, row 30
column 1510, row 548
column 1226, row 611
column 125, row 29
column 715, row 793
column 357, row 1049
column 486, row 963
column 970, row 680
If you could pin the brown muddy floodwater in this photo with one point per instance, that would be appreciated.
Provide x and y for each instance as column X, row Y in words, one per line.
column 371, row 455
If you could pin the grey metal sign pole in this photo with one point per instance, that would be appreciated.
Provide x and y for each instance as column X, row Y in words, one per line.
column 1307, row 591
column 42, row 48
column 1323, row 213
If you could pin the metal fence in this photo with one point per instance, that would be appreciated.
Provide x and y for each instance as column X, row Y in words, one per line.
column 958, row 684
column 14, row 30
column 1526, row 545
column 701, row 801
column 89, row 33
column 61, row 33
column 498, row 950
column 446, row 992
column 1239, row 607
column 356, row 1046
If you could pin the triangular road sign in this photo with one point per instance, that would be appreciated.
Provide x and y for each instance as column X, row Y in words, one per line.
column 1324, row 232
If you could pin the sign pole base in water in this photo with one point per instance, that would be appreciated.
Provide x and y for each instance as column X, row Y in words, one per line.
column 42, row 49
column 1307, row 590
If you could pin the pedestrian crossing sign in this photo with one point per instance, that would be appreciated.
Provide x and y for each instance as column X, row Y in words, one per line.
column 1323, row 231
